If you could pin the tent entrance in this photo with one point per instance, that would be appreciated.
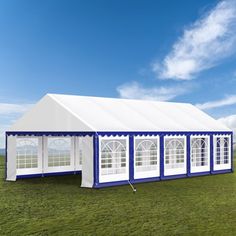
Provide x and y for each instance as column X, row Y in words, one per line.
column 42, row 155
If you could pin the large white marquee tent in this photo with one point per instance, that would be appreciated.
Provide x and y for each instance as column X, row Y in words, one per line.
column 116, row 141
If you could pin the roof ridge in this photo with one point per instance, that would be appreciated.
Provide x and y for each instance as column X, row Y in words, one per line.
column 111, row 98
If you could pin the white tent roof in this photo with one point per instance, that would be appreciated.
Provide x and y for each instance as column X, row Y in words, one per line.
column 56, row 112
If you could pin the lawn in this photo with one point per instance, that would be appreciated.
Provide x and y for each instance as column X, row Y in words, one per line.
column 58, row 206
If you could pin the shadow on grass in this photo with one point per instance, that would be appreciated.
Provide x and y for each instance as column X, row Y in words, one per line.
column 72, row 180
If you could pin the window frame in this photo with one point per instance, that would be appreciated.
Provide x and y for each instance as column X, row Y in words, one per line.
column 38, row 169
column 151, row 173
column 221, row 166
column 175, row 171
column 52, row 169
column 113, row 177
column 195, row 169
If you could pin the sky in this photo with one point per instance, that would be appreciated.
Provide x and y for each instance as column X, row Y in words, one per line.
column 178, row 50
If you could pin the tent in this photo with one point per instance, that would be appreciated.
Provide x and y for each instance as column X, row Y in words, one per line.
column 116, row 141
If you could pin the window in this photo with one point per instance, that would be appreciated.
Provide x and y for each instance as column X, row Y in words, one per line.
column 59, row 152
column 222, row 150
column 199, row 152
column 26, row 153
column 174, row 155
column 113, row 157
column 146, row 155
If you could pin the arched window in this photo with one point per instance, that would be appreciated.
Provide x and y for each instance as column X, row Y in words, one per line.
column 59, row 152
column 146, row 152
column 26, row 153
column 174, row 153
column 113, row 157
column 222, row 150
column 199, row 152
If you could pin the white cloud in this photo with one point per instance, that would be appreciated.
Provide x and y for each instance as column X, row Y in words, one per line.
column 230, row 122
column 9, row 108
column 229, row 100
column 9, row 112
column 209, row 40
column 134, row 90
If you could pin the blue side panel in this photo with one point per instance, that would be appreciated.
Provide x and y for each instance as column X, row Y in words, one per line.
column 95, row 160
column 125, row 182
column 131, row 158
column 232, row 153
column 199, row 173
column 188, row 156
column 48, row 174
column 153, row 179
column 161, row 156
column 174, row 176
column 110, row 184
column 211, row 154
column 29, row 176
column 222, row 171
column 131, row 153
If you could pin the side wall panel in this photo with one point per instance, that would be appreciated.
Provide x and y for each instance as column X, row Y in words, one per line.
column 87, row 162
column 11, row 158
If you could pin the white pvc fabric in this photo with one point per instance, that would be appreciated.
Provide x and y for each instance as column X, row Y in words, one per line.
column 30, row 155
column 56, row 112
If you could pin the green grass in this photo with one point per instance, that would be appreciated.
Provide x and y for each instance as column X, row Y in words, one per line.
column 58, row 206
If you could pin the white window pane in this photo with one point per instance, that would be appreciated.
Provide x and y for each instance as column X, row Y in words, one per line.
column 26, row 153
column 146, row 155
column 174, row 153
column 199, row 152
column 59, row 150
column 222, row 150
column 113, row 157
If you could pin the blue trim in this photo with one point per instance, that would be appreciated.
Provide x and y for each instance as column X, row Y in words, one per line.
column 199, row 173
column 29, row 176
column 171, row 177
column 125, row 182
column 49, row 174
column 161, row 157
column 110, row 184
column 221, row 171
column 95, row 160
column 131, row 158
column 188, row 154
column 175, row 176
column 47, row 133
column 154, row 133
column 5, row 156
column 143, row 180
column 232, row 153
column 114, row 133
column 211, row 154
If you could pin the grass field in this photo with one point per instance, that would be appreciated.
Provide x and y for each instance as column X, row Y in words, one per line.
column 58, row 206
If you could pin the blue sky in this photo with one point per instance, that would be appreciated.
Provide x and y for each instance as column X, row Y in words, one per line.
column 180, row 51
